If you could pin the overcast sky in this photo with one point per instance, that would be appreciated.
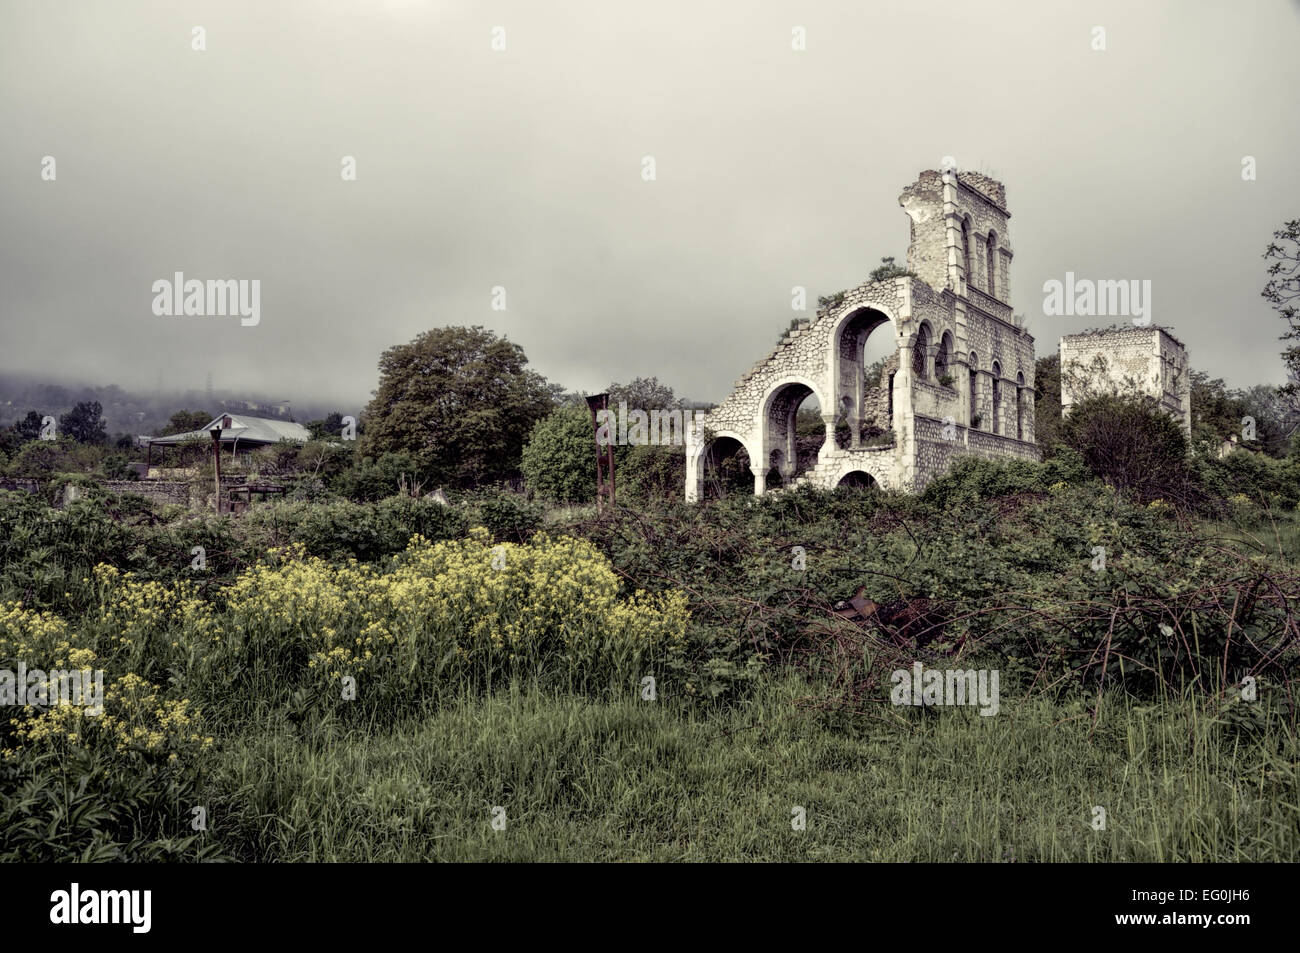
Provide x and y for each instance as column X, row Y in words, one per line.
column 522, row 169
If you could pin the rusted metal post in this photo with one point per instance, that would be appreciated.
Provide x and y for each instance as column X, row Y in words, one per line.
column 605, row 454
column 216, row 461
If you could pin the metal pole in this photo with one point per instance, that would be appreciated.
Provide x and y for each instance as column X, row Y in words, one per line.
column 216, row 460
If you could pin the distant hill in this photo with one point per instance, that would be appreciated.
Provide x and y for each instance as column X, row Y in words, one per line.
column 141, row 412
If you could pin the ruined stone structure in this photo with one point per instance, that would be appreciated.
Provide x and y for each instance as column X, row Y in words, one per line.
column 1128, row 360
column 960, row 381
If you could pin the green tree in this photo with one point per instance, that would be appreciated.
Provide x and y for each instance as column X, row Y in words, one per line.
column 1132, row 445
column 29, row 428
column 559, row 459
column 643, row 393
column 84, row 423
column 1047, row 403
column 460, row 401
column 1282, row 291
column 183, row 421
column 328, row 428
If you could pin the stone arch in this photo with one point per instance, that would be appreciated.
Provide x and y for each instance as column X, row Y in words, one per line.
column 1020, row 405
column 858, row 479
column 965, row 249
column 921, row 363
column 710, row 458
column 777, row 421
column 943, row 356
column 992, row 264
column 853, row 327
column 877, row 469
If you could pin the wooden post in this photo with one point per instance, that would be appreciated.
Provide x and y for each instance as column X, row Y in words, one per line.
column 216, row 460
column 604, row 455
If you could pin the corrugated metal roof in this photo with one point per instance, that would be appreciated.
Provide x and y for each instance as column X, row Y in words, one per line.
column 244, row 429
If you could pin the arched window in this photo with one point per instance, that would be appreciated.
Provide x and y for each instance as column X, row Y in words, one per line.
column 919, row 351
column 992, row 265
column 1020, row 406
column 965, row 249
column 943, row 359
column 974, row 392
column 997, row 398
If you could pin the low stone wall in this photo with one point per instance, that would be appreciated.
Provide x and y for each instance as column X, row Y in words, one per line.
column 20, row 484
column 156, row 491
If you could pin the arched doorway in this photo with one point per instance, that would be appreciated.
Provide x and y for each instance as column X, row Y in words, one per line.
column 726, row 469
column 858, row 480
column 793, row 430
column 866, row 357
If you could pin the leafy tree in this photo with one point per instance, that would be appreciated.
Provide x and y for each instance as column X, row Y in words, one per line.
column 1283, row 290
column 29, row 428
column 1047, row 403
column 559, row 458
column 84, row 423
column 328, row 428
column 183, row 421
column 460, row 401
column 644, row 393
column 1132, row 445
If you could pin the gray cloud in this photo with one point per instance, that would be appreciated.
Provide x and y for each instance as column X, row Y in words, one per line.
column 522, row 169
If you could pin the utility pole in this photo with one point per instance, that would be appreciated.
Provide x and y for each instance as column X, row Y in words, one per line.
column 216, row 462
column 604, row 455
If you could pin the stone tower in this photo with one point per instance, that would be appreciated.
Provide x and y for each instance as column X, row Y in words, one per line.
column 1128, row 360
column 960, row 381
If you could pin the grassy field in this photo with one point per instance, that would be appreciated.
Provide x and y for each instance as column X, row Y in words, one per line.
column 663, row 781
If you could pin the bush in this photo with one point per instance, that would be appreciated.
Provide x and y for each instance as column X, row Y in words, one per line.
column 648, row 474
column 558, row 460
column 371, row 479
column 1133, row 446
column 1264, row 480
column 507, row 516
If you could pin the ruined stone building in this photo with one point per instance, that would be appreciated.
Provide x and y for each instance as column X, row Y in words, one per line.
column 960, row 381
column 1128, row 360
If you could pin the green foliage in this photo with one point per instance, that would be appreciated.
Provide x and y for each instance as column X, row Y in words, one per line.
column 1264, row 481
column 650, row 475
column 29, row 428
column 183, row 421
column 1282, row 290
column 1132, row 446
column 558, row 461
column 460, row 401
column 888, row 269
column 80, row 807
column 330, row 427
column 370, row 479
column 1047, row 403
column 85, row 423
column 44, row 458
column 508, row 516
column 643, row 393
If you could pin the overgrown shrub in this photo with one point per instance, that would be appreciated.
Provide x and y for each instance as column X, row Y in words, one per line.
column 1133, row 446
column 559, row 458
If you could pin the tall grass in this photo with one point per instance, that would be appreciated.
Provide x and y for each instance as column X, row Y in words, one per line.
column 629, row 780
